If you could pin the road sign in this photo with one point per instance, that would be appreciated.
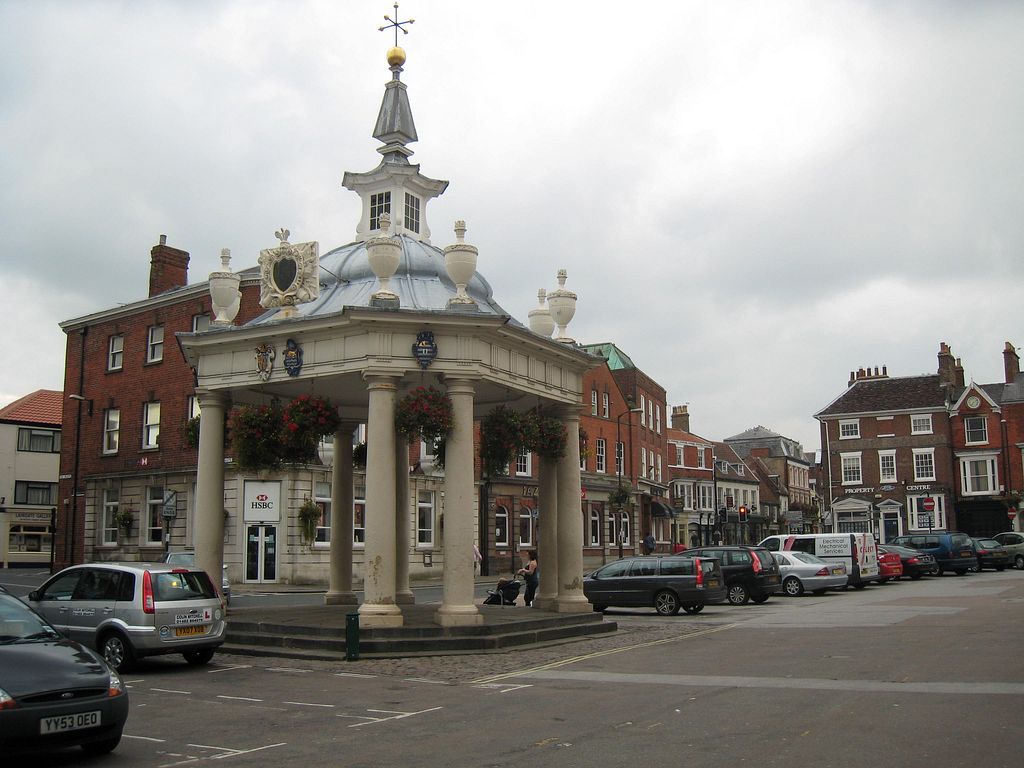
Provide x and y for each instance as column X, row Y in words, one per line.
column 924, row 520
column 170, row 506
column 928, row 504
column 1011, row 513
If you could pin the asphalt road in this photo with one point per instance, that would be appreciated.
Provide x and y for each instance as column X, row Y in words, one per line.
column 924, row 673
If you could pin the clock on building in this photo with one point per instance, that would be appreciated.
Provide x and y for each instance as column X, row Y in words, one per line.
column 973, row 401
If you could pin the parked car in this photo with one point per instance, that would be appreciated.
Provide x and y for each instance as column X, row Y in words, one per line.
column 801, row 571
column 991, row 554
column 854, row 550
column 890, row 566
column 953, row 551
column 751, row 573
column 915, row 562
column 54, row 692
column 666, row 583
column 188, row 558
column 130, row 610
column 1013, row 542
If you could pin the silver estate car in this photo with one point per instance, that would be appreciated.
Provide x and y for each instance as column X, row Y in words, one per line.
column 804, row 571
column 130, row 610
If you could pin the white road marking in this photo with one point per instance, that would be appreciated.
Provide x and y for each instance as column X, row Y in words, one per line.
column 353, row 674
column 425, row 680
column 142, row 738
column 394, row 715
column 287, row 669
column 228, row 669
column 237, row 698
column 307, row 704
column 503, row 687
column 168, row 690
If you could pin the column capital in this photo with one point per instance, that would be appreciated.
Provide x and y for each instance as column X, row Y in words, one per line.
column 381, row 381
column 208, row 397
column 460, row 385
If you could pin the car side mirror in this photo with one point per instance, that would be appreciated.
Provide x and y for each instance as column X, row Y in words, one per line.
column 34, row 595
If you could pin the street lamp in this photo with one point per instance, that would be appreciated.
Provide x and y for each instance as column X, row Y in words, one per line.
column 620, row 460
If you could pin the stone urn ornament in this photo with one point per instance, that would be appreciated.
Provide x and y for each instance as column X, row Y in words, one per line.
column 384, row 254
column 224, row 291
column 540, row 318
column 563, row 306
column 460, row 261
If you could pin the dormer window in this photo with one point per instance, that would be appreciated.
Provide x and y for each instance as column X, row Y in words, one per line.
column 380, row 204
column 412, row 213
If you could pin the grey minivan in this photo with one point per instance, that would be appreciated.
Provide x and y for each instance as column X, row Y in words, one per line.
column 953, row 551
column 666, row 583
column 130, row 610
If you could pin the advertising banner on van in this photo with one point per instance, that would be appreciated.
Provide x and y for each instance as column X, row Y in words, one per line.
column 833, row 546
column 262, row 502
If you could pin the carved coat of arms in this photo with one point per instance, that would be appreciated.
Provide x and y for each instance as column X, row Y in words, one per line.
column 425, row 349
column 292, row 357
column 264, row 361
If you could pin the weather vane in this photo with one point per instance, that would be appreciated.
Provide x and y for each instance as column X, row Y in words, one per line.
column 398, row 25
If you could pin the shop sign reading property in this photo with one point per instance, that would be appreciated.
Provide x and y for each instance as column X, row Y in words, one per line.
column 262, row 501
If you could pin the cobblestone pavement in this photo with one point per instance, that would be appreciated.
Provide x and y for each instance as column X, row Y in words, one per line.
column 477, row 667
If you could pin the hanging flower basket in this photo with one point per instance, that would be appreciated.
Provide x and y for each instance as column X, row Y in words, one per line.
column 619, row 497
column 256, row 435
column 123, row 519
column 190, row 432
column 502, row 433
column 425, row 413
column 309, row 517
column 305, row 421
column 546, row 435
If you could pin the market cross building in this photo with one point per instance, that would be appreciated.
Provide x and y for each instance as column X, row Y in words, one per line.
column 373, row 320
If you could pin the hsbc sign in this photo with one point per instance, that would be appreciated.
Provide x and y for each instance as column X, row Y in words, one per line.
column 262, row 502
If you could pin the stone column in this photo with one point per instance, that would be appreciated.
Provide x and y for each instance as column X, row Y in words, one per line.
column 457, row 606
column 209, row 512
column 403, row 594
column 547, row 536
column 570, row 521
column 339, row 589
column 379, row 608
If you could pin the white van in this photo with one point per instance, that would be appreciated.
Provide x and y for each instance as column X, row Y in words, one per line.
column 856, row 551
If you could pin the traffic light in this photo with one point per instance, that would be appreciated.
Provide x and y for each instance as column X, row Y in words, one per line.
column 723, row 515
column 743, row 513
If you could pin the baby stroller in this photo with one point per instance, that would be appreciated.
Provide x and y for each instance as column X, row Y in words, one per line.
column 505, row 593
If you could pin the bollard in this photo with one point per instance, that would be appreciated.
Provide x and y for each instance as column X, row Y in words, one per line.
column 352, row 637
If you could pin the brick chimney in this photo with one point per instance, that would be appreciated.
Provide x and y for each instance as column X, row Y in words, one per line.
column 947, row 365
column 958, row 371
column 168, row 268
column 681, row 417
column 1011, row 363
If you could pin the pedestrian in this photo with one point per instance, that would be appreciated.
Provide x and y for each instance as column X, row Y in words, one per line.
column 531, row 575
column 477, row 559
column 649, row 544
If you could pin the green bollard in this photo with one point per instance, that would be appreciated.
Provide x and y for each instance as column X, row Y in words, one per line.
column 352, row 637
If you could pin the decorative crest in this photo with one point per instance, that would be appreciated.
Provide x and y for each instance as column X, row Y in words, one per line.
column 398, row 25
column 282, row 235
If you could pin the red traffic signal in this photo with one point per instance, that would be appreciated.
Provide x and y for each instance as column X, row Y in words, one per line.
column 743, row 513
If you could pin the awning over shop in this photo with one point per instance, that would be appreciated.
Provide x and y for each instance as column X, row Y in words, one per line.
column 659, row 509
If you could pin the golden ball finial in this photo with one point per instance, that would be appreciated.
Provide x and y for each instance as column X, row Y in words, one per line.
column 396, row 56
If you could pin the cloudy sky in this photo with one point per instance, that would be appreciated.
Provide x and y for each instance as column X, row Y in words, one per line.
column 751, row 199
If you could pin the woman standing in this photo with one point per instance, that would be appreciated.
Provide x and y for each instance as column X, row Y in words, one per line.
column 531, row 575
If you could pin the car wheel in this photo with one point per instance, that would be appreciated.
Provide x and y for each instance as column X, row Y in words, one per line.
column 1018, row 562
column 117, row 651
column 738, row 594
column 691, row 609
column 792, row 586
column 102, row 747
column 198, row 658
column 760, row 599
column 666, row 603
column 600, row 608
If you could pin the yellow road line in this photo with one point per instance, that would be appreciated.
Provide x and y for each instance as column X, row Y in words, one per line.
column 598, row 654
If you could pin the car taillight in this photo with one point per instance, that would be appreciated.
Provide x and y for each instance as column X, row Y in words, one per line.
column 700, row 572
column 757, row 563
column 913, row 561
column 822, row 572
column 148, row 604
column 982, row 551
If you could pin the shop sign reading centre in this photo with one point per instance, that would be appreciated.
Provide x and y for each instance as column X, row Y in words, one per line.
column 262, row 501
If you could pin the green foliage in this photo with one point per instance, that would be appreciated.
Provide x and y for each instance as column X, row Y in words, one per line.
column 309, row 516
column 425, row 413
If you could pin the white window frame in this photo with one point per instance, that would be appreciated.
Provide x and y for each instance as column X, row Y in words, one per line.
column 594, row 526
column 968, row 430
column 605, row 405
column 155, row 344
column 643, row 463
column 380, row 203
column 620, row 457
column 657, row 418
column 685, row 494
column 526, row 522
column 643, row 411
column 359, row 511
column 109, row 532
column 593, row 402
column 151, row 425
column 192, row 407
column 650, row 414
column 882, row 476
column 426, row 514
column 524, row 463
column 601, row 455
column 153, row 522
column 922, row 428
column 501, row 538
column 938, row 514
column 111, row 430
column 922, row 452
column 967, row 479
column 322, row 498
column 200, row 322
column 702, row 462
column 657, row 458
column 115, row 352
column 412, row 213
column 849, row 429
column 850, row 464
column 705, row 497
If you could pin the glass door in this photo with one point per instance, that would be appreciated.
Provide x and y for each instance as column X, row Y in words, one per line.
column 261, row 553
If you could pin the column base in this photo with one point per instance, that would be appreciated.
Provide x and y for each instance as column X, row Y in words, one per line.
column 340, row 598
column 545, row 603
column 372, row 615
column 405, row 598
column 572, row 605
column 458, row 616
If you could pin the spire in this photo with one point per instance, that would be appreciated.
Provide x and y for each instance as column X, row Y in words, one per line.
column 395, row 127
